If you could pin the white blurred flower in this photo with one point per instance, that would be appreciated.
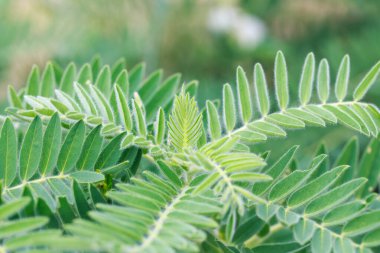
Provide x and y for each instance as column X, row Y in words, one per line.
column 249, row 31
column 221, row 19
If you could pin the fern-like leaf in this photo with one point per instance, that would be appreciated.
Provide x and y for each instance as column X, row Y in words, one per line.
column 44, row 170
column 357, row 115
column 16, row 235
column 153, row 215
column 321, row 215
column 185, row 123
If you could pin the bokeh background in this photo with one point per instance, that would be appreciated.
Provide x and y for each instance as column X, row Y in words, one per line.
column 202, row 39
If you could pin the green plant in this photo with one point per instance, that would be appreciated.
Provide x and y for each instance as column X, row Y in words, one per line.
column 138, row 171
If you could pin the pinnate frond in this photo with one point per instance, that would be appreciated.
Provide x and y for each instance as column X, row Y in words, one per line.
column 52, row 170
column 16, row 235
column 185, row 123
column 151, row 215
column 319, row 213
column 357, row 115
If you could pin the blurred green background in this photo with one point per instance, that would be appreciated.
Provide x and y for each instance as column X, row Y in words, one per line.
column 202, row 39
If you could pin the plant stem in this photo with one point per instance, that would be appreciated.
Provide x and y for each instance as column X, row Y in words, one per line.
column 257, row 240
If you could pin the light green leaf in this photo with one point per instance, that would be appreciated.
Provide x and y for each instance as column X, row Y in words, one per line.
column 231, row 225
column 323, row 84
column 31, row 148
column 115, row 169
column 71, row 148
column 136, row 76
column 287, row 217
column 261, row 90
column 250, row 177
column 342, row 79
column 343, row 117
column 117, row 68
column 197, row 206
column 169, row 173
column 68, row 101
column 303, row 231
column 85, row 99
column 127, row 141
column 68, row 78
column 13, row 98
column 91, row 149
column 139, row 119
column 251, row 136
column 103, row 81
column 285, row 120
column 192, row 87
column 12, row 207
column 150, row 86
column 207, row 183
column 366, row 117
column 87, row 177
column 42, row 193
column 322, row 241
column 267, row 128
column 372, row 239
column 275, row 171
column 194, row 219
column 266, row 211
column 33, row 82
column 214, row 128
column 307, row 79
column 229, row 113
column 283, row 247
column 122, row 82
column 343, row 213
column 322, row 113
column 45, row 238
column 334, row 197
column 244, row 95
column 315, row 187
column 51, row 145
column 373, row 112
column 159, row 126
column 96, row 63
column 8, row 153
column 21, row 226
column 48, row 81
column 85, row 74
column 367, row 82
column 185, row 123
column 163, row 96
column 281, row 81
column 101, row 103
column 348, row 110
column 368, row 167
column 287, row 185
column 348, row 156
column 111, row 153
column 362, row 224
column 306, row 116
column 122, row 109
column 344, row 245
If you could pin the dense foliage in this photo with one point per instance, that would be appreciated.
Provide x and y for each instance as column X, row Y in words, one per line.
column 101, row 159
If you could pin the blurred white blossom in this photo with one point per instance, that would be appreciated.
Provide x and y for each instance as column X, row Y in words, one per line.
column 248, row 30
